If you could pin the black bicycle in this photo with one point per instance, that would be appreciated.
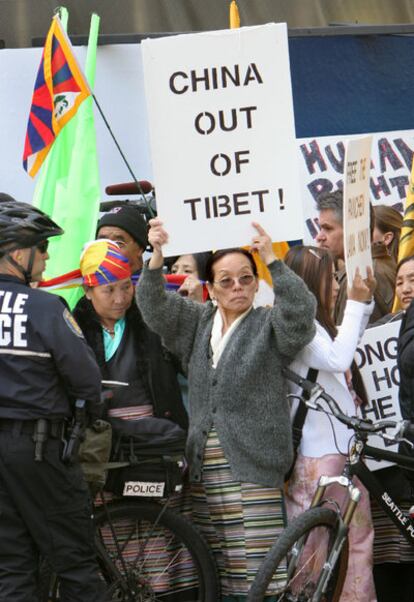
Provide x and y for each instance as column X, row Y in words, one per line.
column 313, row 550
column 147, row 552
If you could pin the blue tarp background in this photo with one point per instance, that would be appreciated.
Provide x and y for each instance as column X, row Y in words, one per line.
column 352, row 84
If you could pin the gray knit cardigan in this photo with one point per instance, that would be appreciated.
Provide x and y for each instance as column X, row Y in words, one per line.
column 244, row 397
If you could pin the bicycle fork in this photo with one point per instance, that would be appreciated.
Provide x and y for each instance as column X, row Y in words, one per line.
column 341, row 532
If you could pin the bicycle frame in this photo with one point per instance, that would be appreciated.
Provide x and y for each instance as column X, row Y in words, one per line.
column 355, row 466
column 401, row 519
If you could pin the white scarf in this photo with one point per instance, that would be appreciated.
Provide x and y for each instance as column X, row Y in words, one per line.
column 218, row 340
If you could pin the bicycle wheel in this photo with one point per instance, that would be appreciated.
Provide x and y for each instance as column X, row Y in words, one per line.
column 302, row 551
column 147, row 554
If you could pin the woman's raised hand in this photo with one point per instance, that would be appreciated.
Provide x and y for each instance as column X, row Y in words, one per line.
column 362, row 290
column 262, row 243
column 157, row 237
column 192, row 288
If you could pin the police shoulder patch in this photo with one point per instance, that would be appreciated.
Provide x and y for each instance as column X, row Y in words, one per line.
column 72, row 323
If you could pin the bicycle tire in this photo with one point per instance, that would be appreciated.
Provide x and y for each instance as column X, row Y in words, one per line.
column 205, row 590
column 302, row 581
column 179, row 542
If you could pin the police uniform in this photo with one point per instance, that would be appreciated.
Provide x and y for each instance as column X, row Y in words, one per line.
column 44, row 505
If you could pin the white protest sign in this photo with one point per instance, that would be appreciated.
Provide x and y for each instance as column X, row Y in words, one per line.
column 357, row 238
column 222, row 137
column 321, row 167
column 376, row 357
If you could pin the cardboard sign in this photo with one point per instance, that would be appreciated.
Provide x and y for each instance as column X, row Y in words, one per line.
column 222, row 137
column 356, row 222
column 376, row 357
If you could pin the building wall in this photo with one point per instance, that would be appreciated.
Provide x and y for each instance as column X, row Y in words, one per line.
column 22, row 20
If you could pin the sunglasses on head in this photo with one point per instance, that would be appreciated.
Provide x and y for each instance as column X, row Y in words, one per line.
column 42, row 246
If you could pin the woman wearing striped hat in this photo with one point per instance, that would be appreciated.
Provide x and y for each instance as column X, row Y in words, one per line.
column 125, row 348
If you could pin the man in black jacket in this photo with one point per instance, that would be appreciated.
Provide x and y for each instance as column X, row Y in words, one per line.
column 44, row 365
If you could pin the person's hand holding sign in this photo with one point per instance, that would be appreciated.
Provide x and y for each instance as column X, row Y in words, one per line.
column 262, row 243
column 362, row 290
column 157, row 237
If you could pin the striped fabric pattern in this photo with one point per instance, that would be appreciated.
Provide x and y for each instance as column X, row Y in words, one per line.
column 132, row 412
column 389, row 544
column 164, row 562
column 155, row 553
column 240, row 521
column 102, row 262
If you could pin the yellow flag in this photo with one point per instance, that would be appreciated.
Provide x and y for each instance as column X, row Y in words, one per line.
column 406, row 248
column 234, row 15
column 280, row 249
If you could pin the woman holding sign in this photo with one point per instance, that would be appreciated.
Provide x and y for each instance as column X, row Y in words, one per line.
column 239, row 444
column 323, row 442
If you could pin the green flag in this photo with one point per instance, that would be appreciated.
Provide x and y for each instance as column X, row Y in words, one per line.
column 68, row 187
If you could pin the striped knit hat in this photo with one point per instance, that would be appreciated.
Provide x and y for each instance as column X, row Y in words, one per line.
column 102, row 262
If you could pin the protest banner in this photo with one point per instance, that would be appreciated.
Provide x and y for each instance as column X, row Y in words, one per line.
column 321, row 166
column 222, row 137
column 376, row 357
column 356, row 209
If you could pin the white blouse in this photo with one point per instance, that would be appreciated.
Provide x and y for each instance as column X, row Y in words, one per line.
column 331, row 358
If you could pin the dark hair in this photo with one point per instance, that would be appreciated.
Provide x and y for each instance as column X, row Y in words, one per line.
column 403, row 261
column 200, row 259
column 314, row 265
column 388, row 219
column 212, row 260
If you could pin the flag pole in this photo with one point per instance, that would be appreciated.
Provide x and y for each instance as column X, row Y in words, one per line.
column 234, row 15
column 98, row 106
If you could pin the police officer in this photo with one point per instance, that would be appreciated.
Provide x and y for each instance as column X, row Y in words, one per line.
column 44, row 365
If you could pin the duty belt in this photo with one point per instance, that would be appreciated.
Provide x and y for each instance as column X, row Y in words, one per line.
column 40, row 429
column 54, row 429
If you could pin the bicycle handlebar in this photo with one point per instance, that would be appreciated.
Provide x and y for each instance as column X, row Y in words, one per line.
column 316, row 392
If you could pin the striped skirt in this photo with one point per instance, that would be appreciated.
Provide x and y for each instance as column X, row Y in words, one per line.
column 240, row 521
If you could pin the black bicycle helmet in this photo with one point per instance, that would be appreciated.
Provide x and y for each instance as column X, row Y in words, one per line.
column 22, row 225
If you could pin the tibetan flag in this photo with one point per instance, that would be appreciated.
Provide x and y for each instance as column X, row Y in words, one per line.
column 59, row 90
column 74, row 280
column 406, row 248
column 68, row 187
column 234, row 15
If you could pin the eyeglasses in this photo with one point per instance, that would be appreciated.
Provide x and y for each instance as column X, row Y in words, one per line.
column 229, row 282
column 42, row 246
